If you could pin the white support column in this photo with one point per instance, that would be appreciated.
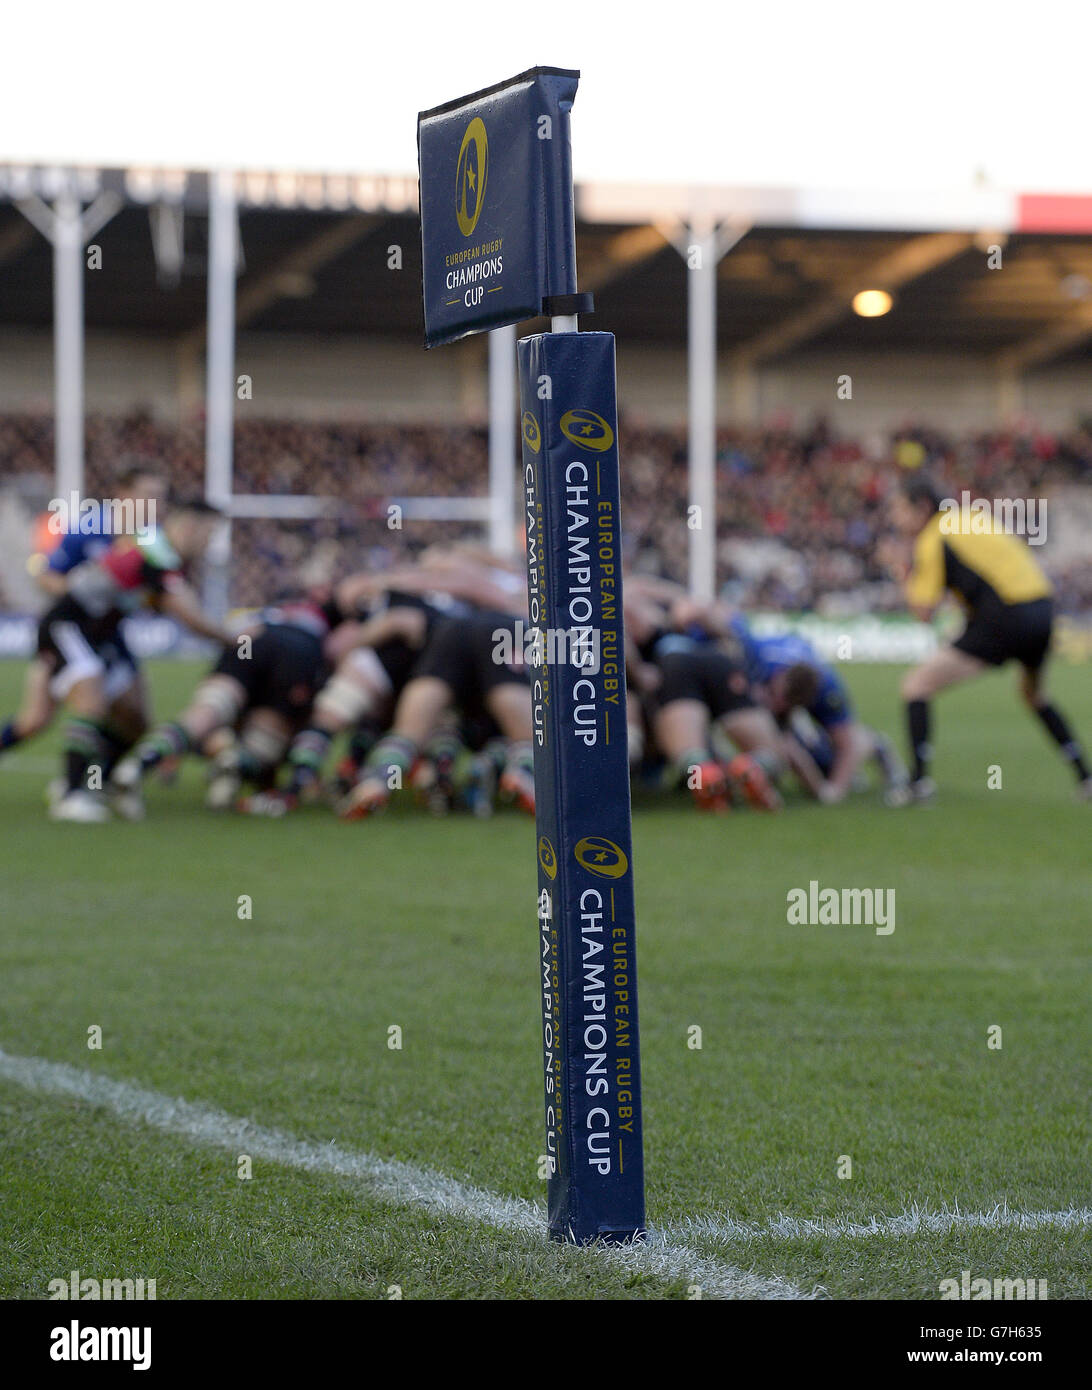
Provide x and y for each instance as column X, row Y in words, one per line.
column 702, row 243
column 220, row 382
column 68, row 345
column 701, row 286
column 503, row 409
column 68, row 228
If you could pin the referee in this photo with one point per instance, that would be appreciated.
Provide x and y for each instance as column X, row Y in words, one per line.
column 1010, row 615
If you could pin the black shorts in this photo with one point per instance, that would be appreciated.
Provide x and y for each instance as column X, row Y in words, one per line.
column 709, row 676
column 398, row 660
column 284, row 671
column 1009, row 632
column 468, row 655
column 77, row 646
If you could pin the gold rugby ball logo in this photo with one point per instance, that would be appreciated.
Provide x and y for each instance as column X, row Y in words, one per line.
column 471, row 173
column 587, row 429
column 601, row 856
column 547, row 858
column 532, row 435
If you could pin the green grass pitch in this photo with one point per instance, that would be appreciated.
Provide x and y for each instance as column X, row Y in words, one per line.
column 818, row 1042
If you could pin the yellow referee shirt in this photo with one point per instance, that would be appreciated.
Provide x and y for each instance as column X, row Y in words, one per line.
column 977, row 566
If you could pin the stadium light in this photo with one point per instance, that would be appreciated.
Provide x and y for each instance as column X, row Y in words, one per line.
column 872, row 304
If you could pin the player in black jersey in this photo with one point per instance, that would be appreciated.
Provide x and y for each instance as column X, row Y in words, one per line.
column 245, row 711
column 374, row 657
column 704, row 687
column 462, row 667
column 395, row 616
column 691, row 684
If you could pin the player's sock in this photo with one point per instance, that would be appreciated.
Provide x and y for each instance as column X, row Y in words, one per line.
column 306, row 757
column 392, row 754
column 443, row 750
column 251, row 767
column 84, row 748
column 888, row 761
column 1060, row 732
column 116, row 746
column 521, row 755
column 517, row 781
column 496, row 753
column 361, row 742
column 9, row 736
column 438, row 784
column 678, row 772
column 917, row 717
column 168, row 741
column 770, row 763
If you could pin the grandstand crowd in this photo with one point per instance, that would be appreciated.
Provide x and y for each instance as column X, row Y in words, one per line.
column 816, row 501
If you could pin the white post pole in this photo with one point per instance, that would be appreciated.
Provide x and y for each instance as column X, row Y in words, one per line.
column 702, row 385
column 503, row 409
column 68, row 345
column 220, row 382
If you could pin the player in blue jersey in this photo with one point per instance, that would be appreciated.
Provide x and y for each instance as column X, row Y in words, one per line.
column 139, row 489
column 825, row 742
column 82, row 657
column 689, row 687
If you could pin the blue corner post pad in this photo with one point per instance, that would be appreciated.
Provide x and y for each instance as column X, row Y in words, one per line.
column 498, row 232
column 587, row 966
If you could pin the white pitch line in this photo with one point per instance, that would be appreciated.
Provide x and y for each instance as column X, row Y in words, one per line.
column 915, row 1220
column 394, row 1181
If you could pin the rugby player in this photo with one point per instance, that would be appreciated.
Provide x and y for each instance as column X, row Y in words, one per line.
column 394, row 615
column 1009, row 605
column 702, row 686
column 140, row 484
column 373, row 657
column 82, row 648
column 825, row 743
column 456, row 670
column 263, row 685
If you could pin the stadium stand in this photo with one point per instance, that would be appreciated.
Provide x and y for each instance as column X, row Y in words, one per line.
column 802, row 512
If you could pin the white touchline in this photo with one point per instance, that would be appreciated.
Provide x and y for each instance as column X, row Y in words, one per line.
column 396, row 1182
column 911, row 1222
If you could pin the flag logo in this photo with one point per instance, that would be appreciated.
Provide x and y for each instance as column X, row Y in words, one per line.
column 532, row 435
column 601, row 857
column 587, row 429
column 547, row 858
column 470, row 176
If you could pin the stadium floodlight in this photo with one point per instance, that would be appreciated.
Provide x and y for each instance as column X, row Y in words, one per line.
column 498, row 240
column 872, row 304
